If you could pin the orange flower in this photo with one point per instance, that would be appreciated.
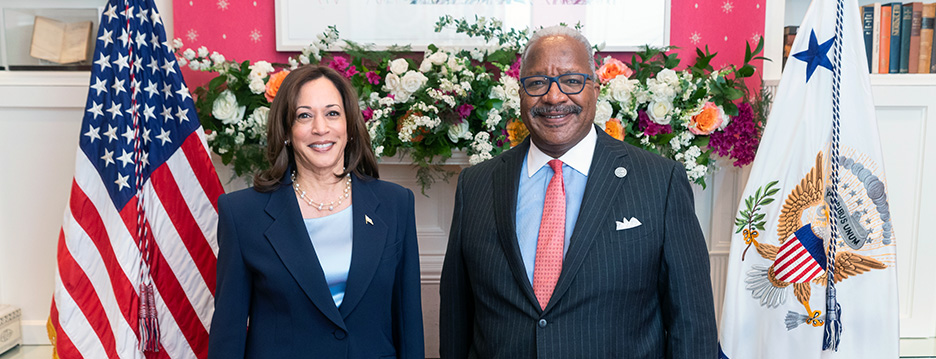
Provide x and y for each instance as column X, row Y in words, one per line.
column 707, row 121
column 516, row 132
column 273, row 84
column 614, row 128
column 613, row 68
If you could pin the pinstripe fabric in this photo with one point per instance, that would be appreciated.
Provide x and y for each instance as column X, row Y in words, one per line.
column 643, row 292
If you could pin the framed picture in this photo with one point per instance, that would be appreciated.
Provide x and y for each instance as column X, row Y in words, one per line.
column 622, row 25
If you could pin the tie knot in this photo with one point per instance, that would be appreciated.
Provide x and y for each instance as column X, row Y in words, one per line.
column 556, row 165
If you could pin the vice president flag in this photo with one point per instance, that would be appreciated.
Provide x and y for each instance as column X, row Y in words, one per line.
column 137, row 251
column 811, row 271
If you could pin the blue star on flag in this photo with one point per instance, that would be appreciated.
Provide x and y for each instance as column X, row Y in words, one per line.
column 815, row 55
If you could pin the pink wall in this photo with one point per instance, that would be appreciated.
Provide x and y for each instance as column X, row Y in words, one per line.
column 244, row 29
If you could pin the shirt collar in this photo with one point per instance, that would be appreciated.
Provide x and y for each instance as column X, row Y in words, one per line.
column 579, row 157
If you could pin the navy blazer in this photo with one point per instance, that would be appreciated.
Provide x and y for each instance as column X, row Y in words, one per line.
column 642, row 292
column 272, row 300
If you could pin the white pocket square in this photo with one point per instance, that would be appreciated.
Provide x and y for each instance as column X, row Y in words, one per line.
column 627, row 223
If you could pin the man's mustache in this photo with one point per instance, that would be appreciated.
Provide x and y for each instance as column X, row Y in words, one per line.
column 545, row 110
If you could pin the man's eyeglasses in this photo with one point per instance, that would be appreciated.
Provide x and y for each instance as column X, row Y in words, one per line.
column 569, row 84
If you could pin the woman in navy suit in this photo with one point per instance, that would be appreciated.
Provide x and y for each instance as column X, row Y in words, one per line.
column 318, row 259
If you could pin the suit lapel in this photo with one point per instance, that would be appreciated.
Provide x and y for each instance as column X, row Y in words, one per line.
column 368, row 243
column 290, row 240
column 600, row 192
column 506, row 178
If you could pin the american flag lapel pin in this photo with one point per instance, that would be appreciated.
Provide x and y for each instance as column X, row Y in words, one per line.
column 368, row 220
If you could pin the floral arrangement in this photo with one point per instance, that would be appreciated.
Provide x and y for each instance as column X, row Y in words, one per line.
column 468, row 99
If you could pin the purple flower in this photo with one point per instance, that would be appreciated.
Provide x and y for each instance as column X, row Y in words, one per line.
column 739, row 140
column 649, row 127
column 368, row 113
column 339, row 63
column 372, row 77
column 351, row 71
column 464, row 111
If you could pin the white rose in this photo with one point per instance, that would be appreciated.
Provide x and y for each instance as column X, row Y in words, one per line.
column 669, row 77
column 497, row 92
column 425, row 66
column 226, row 109
column 412, row 81
column 399, row 66
column 260, row 69
column 202, row 51
column 438, row 58
column 392, row 82
column 661, row 90
column 659, row 111
column 257, row 86
column 622, row 89
column 259, row 118
column 188, row 54
column 454, row 64
column 603, row 113
column 457, row 132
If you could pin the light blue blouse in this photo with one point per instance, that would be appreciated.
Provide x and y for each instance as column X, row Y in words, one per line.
column 331, row 237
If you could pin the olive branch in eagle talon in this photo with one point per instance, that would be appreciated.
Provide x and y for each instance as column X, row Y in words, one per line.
column 751, row 219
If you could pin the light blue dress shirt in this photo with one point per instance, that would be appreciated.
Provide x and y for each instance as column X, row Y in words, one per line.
column 331, row 237
column 531, row 194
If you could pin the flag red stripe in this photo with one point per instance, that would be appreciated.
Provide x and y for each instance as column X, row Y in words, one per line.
column 792, row 261
column 807, row 261
column 63, row 345
column 191, row 234
column 169, row 288
column 810, row 265
column 76, row 282
column 204, row 170
column 87, row 215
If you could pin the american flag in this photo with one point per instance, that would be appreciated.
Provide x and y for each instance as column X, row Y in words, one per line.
column 143, row 206
column 801, row 258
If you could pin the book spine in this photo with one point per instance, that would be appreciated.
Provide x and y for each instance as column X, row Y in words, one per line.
column 876, row 39
column 867, row 20
column 926, row 37
column 906, row 22
column 885, row 39
column 896, row 11
column 913, row 65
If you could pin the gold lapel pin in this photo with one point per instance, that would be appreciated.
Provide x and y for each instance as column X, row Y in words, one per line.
column 368, row 220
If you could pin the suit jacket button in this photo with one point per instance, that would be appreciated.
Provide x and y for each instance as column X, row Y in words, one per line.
column 542, row 323
column 340, row 334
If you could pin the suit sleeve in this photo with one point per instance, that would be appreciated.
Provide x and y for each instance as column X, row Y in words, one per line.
column 232, row 294
column 407, row 302
column 685, row 287
column 456, row 307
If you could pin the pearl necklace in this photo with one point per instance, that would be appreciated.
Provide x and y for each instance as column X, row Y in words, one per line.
column 323, row 206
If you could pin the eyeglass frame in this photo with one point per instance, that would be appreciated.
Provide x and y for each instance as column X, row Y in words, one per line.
column 555, row 79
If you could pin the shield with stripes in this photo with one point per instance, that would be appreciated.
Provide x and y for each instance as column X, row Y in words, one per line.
column 801, row 258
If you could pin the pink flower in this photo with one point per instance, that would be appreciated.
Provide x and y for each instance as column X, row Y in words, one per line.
column 339, row 63
column 351, row 71
column 368, row 112
column 372, row 77
column 464, row 111
column 649, row 127
column 514, row 70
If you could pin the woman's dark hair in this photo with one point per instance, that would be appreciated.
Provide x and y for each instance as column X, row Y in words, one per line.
column 358, row 156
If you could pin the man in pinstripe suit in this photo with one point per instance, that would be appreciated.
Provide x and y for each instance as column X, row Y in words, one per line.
column 631, row 277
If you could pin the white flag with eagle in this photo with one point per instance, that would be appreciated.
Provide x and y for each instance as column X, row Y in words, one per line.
column 812, row 269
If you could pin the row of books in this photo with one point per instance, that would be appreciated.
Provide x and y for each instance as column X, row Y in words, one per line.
column 899, row 37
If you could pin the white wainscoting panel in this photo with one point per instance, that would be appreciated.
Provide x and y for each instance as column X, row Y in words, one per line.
column 907, row 123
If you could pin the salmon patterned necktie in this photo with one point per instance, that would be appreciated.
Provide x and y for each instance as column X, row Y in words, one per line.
column 548, row 263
